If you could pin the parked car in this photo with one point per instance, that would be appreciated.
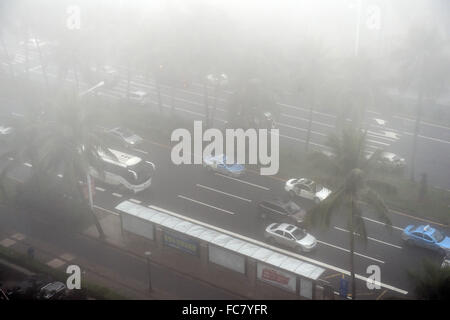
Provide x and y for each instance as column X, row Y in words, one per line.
column 427, row 237
column 27, row 289
column 282, row 211
column 291, row 236
column 52, row 291
column 218, row 163
column 306, row 188
column 125, row 136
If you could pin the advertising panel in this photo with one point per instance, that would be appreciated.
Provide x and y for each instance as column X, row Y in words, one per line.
column 180, row 242
column 276, row 277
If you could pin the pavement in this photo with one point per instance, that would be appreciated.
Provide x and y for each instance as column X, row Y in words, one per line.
column 103, row 263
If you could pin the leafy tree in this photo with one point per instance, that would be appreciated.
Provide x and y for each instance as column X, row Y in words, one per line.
column 432, row 282
column 353, row 193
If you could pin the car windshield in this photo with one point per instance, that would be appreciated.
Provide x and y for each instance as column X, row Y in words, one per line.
column 437, row 236
column 299, row 234
column 291, row 207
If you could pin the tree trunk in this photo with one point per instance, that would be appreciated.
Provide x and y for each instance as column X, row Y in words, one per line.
column 172, row 99
column 216, row 93
column 416, row 133
column 308, row 132
column 205, row 95
column 158, row 92
column 352, row 251
column 91, row 207
column 128, row 82
column 44, row 69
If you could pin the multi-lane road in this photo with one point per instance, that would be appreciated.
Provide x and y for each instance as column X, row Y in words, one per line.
column 231, row 203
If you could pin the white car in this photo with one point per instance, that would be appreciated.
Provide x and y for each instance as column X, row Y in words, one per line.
column 138, row 96
column 391, row 161
column 306, row 188
column 291, row 236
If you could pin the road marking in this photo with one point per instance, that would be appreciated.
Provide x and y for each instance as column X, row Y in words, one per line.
column 10, row 158
column 382, row 223
column 422, row 122
column 27, row 164
column 117, row 195
column 205, row 204
column 301, row 129
column 139, row 150
column 346, row 250
column 135, row 201
column 60, row 175
column 55, row 263
column 242, row 181
column 67, row 256
column 225, row 193
column 307, row 120
column 417, row 218
column 304, row 109
column 99, row 189
column 370, row 238
column 275, row 249
column 382, row 294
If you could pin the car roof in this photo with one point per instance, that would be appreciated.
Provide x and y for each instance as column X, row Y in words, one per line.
column 306, row 181
column 426, row 229
column 54, row 286
column 285, row 227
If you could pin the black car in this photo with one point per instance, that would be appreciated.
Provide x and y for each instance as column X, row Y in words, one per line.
column 282, row 211
column 52, row 291
column 27, row 289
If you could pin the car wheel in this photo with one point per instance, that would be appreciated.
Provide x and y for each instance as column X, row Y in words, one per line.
column 316, row 200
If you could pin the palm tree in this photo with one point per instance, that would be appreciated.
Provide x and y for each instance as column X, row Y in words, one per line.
column 73, row 147
column 353, row 193
column 432, row 282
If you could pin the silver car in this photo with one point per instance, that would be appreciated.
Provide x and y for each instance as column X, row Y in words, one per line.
column 126, row 137
column 290, row 236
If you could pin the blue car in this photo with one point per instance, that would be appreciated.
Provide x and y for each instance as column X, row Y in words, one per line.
column 427, row 237
column 218, row 163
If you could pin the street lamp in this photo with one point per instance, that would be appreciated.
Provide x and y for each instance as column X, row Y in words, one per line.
column 148, row 254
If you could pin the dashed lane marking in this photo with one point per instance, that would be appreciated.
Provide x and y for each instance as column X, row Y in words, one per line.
column 222, row 192
column 382, row 223
column 346, row 250
column 205, row 204
column 67, row 256
column 135, row 201
column 242, row 181
column 370, row 238
column 117, row 195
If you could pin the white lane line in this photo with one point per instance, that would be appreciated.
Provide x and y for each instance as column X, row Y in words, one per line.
column 382, row 223
column 276, row 249
column 423, row 122
column 305, row 109
column 301, row 129
column 370, row 238
column 117, row 195
column 99, row 189
column 242, row 181
column 139, row 150
column 27, row 164
column 346, row 250
column 60, row 175
column 222, row 192
column 378, row 142
column 307, row 120
column 10, row 158
column 135, row 201
column 205, row 204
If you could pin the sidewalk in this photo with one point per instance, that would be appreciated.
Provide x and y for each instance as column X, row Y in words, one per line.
column 107, row 264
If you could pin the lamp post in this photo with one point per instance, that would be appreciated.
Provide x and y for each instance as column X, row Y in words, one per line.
column 148, row 254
